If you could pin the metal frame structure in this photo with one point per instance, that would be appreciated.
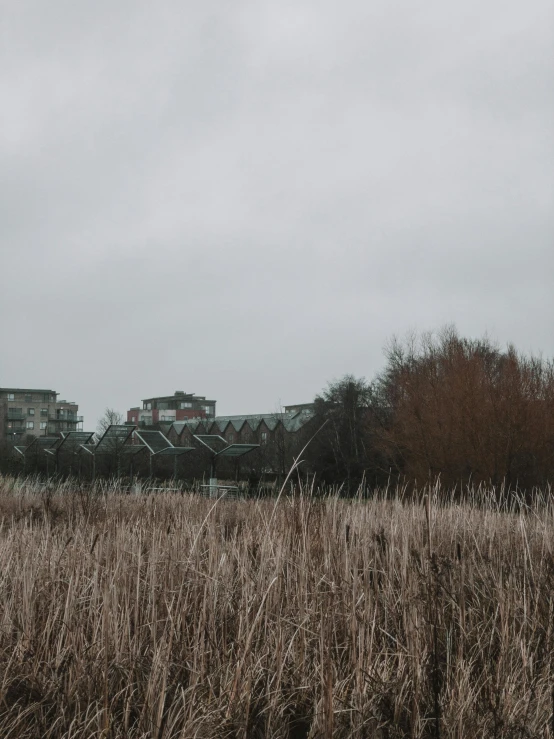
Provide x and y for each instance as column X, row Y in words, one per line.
column 44, row 444
column 112, row 441
column 236, row 451
column 159, row 446
column 72, row 442
column 51, row 446
column 115, row 441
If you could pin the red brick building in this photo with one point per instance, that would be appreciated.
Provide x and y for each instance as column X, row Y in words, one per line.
column 180, row 406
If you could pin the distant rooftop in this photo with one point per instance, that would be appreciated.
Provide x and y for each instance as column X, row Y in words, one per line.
column 299, row 407
column 26, row 390
column 291, row 420
column 178, row 394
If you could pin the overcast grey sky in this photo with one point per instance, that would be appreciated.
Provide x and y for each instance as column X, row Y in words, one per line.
column 247, row 199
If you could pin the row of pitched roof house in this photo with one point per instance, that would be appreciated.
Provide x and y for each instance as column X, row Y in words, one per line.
column 272, row 442
column 280, row 437
column 183, row 416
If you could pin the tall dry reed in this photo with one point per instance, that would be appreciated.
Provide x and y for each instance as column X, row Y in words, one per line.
column 175, row 616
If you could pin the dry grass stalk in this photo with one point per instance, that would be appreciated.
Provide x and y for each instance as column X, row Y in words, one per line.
column 135, row 616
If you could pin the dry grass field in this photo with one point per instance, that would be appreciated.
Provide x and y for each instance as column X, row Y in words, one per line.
column 176, row 616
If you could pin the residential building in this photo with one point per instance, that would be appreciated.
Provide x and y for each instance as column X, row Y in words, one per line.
column 293, row 409
column 35, row 412
column 180, row 406
column 280, row 435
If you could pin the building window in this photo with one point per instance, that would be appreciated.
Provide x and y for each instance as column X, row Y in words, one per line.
column 30, row 424
column 264, row 437
column 11, row 396
column 43, row 425
column 185, row 405
column 28, row 398
column 133, row 419
column 30, row 411
column 44, row 411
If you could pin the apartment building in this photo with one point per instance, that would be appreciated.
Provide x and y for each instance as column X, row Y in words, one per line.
column 35, row 412
column 180, row 406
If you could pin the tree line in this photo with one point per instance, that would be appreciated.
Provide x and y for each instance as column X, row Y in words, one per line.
column 443, row 406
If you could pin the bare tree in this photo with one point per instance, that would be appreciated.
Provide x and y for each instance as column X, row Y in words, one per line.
column 110, row 417
column 340, row 453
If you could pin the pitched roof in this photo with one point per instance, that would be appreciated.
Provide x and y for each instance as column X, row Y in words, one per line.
column 291, row 422
column 294, row 421
column 180, row 426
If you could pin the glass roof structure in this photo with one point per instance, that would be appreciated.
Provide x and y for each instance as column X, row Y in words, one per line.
column 219, row 447
column 154, row 440
column 174, row 451
column 44, row 442
column 48, row 444
column 113, row 439
column 160, row 445
column 213, row 442
column 75, row 439
column 237, row 450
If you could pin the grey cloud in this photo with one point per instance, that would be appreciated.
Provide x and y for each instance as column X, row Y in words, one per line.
column 247, row 200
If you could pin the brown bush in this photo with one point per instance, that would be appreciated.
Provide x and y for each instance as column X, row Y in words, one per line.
column 466, row 411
